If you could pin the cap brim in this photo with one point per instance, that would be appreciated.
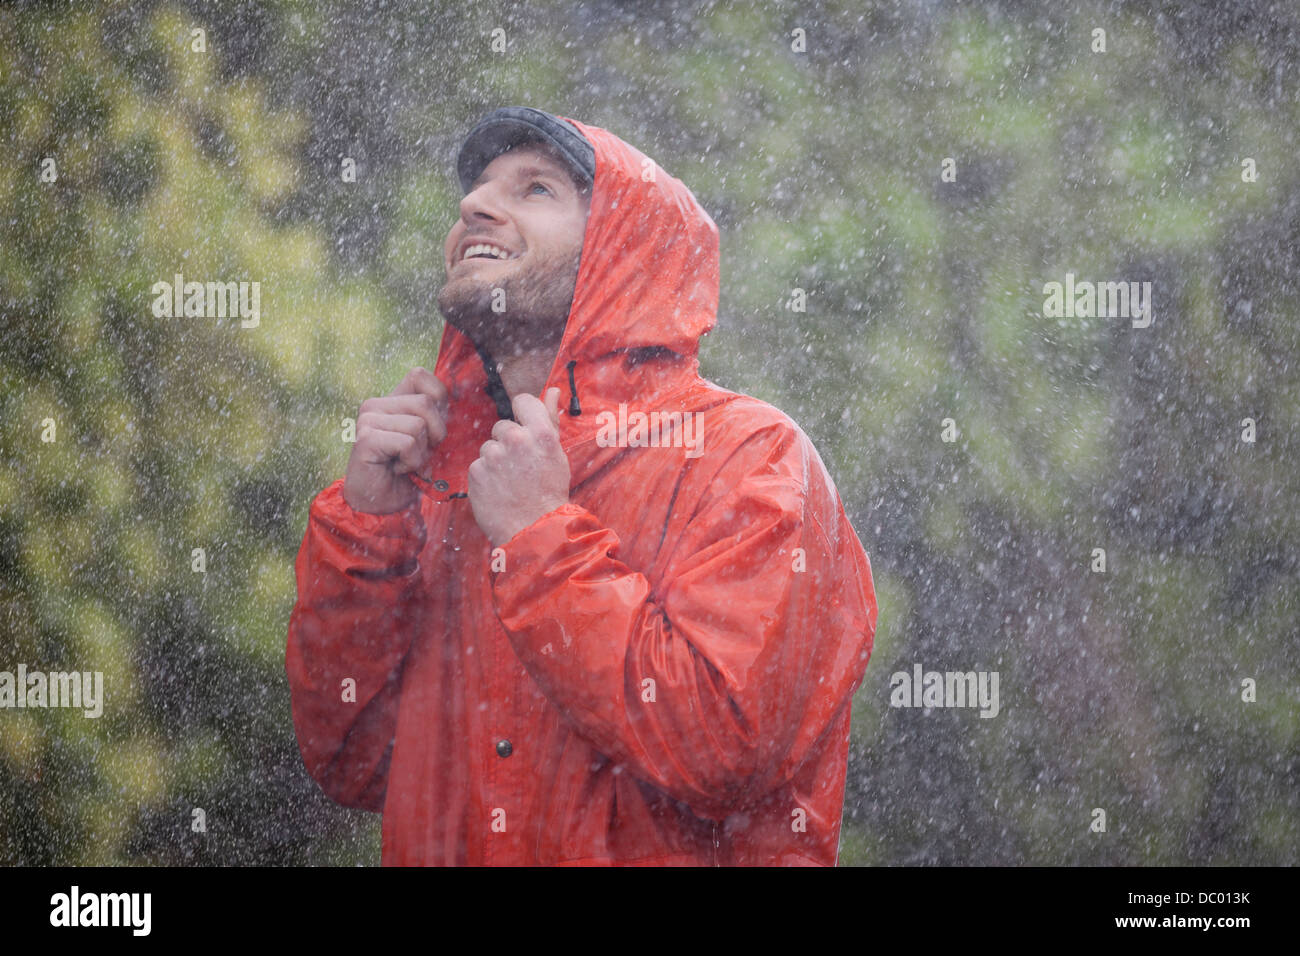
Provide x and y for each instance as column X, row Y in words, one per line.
column 512, row 126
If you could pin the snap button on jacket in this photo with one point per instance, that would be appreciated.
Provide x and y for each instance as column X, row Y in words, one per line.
column 668, row 660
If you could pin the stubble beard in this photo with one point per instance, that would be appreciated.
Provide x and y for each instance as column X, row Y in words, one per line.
column 536, row 306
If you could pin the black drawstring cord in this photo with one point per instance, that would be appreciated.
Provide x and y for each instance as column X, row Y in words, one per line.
column 495, row 387
column 574, row 407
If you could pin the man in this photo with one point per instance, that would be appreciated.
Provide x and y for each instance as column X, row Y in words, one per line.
column 624, row 628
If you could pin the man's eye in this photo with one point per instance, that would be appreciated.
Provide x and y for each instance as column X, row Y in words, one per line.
column 539, row 186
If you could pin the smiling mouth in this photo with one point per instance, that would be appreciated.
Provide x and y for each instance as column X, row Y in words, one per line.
column 486, row 250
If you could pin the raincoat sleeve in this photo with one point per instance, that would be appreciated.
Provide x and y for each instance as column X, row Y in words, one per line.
column 355, row 618
column 714, row 682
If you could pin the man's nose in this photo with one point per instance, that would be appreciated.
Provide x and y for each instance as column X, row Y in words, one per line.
column 482, row 202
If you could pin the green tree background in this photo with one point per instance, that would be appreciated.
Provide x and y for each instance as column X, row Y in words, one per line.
column 1120, row 690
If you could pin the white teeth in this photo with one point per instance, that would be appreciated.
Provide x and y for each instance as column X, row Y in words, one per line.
column 485, row 249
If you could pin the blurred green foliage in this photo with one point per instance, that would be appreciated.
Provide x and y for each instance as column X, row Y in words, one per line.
column 1119, row 690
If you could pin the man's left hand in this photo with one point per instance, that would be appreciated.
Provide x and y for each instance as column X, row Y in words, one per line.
column 521, row 472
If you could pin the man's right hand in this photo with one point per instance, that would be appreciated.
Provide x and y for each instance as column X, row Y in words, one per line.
column 396, row 436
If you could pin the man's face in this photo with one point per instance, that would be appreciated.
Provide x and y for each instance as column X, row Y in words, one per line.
column 526, row 206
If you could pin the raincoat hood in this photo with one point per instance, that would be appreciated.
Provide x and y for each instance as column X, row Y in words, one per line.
column 646, row 291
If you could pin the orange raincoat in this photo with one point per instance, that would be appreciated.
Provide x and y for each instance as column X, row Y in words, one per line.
column 660, row 671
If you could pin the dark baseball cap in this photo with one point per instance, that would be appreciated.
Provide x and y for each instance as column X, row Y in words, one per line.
column 512, row 126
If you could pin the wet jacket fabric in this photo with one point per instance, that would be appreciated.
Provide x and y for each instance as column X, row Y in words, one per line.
column 660, row 671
